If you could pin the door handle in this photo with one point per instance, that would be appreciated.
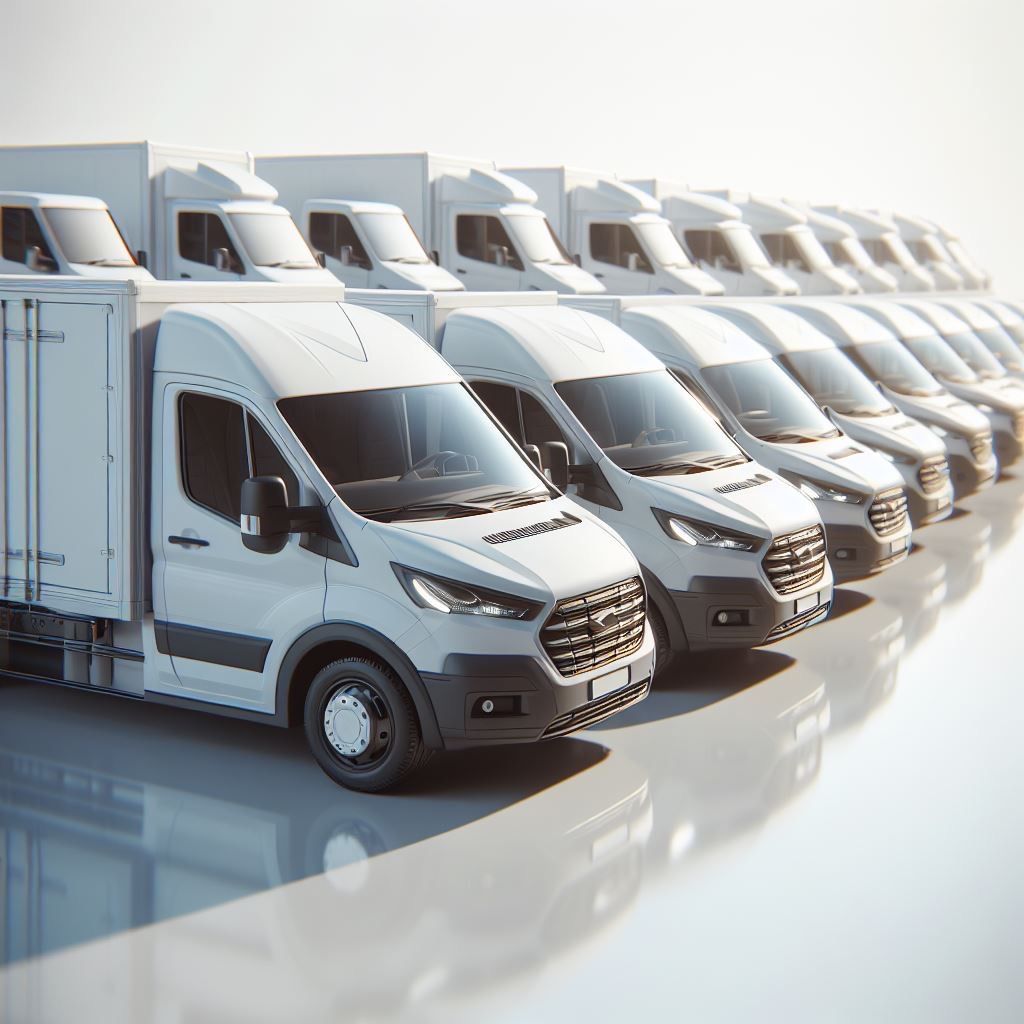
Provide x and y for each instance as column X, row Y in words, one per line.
column 597, row 273
column 188, row 542
column 189, row 276
column 459, row 270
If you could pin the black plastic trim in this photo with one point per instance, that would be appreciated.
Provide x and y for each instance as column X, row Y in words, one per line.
column 233, row 650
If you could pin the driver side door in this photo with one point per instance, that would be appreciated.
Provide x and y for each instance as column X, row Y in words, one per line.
column 485, row 256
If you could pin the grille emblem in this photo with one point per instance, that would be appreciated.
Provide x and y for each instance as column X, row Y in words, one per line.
column 602, row 622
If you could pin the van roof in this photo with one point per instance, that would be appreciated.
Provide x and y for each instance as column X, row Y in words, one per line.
column 943, row 320
column 900, row 320
column 778, row 329
column 976, row 317
column 283, row 349
column 841, row 320
column 551, row 343
column 761, row 212
column 825, row 227
column 864, row 222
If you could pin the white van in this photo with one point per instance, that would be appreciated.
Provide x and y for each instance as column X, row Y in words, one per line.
column 925, row 243
column 859, row 495
column 266, row 503
column 732, row 555
column 873, row 343
column 985, row 325
column 851, row 401
column 1009, row 318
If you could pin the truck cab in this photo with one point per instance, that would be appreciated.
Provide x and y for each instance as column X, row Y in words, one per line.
column 44, row 233
column 925, row 243
column 372, row 245
column 978, row 279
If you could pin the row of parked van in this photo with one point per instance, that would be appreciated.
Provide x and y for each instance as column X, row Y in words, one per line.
column 278, row 503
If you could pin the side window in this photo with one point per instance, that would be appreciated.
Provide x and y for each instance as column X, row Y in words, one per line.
column 483, row 238
column 538, row 426
column 266, row 459
column 501, row 400
column 200, row 235
column 709, row 248
column 334, row 234
column 782, row 251
column 22, row 233
column 617, row 244
column 876, row 250
column 696, row 390
column 213, row 453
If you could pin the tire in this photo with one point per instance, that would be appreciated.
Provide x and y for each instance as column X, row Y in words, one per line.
column 662, row 644
column 363, row 694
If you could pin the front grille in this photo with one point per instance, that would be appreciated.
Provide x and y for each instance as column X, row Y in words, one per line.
column 799, row 621
column 796, row 560
column 933, row 474
column 888, row 512
column 593, row 629
column 597, row 710
column 981, row 447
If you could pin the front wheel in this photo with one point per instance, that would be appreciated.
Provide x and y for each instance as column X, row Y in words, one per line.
column 662, row 642
column 361, row 725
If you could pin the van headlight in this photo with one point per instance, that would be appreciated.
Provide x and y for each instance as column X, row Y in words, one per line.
column 818, row 491
column 900, row 458
column 453, row 598
column 694, row 532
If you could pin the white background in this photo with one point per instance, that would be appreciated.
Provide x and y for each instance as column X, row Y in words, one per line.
column 907, row 104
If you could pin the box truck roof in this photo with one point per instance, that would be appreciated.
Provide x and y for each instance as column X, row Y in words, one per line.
column 52, row 199
column 914, row 228
column 552, row 343
column 216, row 181
column 708, row 339
column 698, row 208
column 826, row 227
column 760, row 212
column 607, row 194
column 480, row 185
column 864, row 222
column 279, row 350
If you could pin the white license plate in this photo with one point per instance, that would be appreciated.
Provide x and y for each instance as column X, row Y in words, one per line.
column 897, row 546
column 805, row 604
column 610, row 683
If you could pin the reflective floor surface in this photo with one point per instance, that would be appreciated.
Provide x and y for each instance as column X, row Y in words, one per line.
column 831, row 829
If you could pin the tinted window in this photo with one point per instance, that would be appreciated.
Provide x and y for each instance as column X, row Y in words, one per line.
column 200, row 235
column 782, row 251
column 332, row 232
column 615, row 244
column 485, row 239
column 503, row 404
column 538, row 425
column 267, row 460
column 709, row 248
column 21, row 232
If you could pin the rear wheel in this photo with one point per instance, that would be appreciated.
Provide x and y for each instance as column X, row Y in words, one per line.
column 361, row 725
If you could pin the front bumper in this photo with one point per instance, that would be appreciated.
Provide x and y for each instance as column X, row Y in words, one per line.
column 969, row 476
column 529, row 705
column 856, row 551
column 767, row 617
column 925, row 509
column 1008, row 446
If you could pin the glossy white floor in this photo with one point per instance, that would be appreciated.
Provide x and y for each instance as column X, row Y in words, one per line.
column 828, row 830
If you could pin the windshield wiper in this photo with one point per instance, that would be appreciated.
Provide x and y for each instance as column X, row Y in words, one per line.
column 683, row 466
column 105, row 261
column 782, row 436
column 501, row 500
column 292, row 264
column 445, row 508
column 723, row 461
column 419, row 260
column 866, row 410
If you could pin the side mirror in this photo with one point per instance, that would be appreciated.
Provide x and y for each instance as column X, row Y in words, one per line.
column 632, row 261
column 35, row 260
column 501, row 256
column 556, row 461
column 321, row 257
column 578, row 260
column 345, row 255
column 267, row 520
column 534, row 453
column 142, row 258
column 221, row 260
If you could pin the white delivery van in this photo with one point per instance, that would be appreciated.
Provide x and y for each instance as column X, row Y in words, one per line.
column 1009, row 318
column 715, row 237
column 873, row 343
column 851, row 401
column 484, row 227
column 43, row 233
column 999, row 397
column 616, row 232
column 882, row 240
column 732, row 555
column 268, row 504
column 925, row 243
column 186, row 213
column 790, row 244
column 985, row 326
column 979, row 279
column 845, row 250
column 859, row 495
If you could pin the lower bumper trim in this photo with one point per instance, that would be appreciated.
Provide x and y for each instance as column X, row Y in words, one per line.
column 597, row 710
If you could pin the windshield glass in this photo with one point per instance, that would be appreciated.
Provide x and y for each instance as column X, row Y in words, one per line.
column 272, row 240
column 411, row 453
column 392, row 238
column 661, row 244
column 745, row 247
column 768, row 403
column 974, row 353
column 890, row 363
column 999, row 342
column 834, row 381
column 649, row 424
column 940, row 359
column 89, row 236
column 538, row 240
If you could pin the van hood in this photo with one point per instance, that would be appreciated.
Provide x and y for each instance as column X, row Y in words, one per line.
column 750, row 498
column 295, row 275
column 110, row 273
column 1003, row 395
column 842, row 281
column 427, row 277
column 691, row 281
column 566, row 278
column 574, row 554
column 877, row 279
column 841, row 462
column 774, row 281
column 895, row 433
column 945, row 411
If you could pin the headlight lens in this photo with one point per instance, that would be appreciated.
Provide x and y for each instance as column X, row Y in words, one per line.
column 898, row 457
column 452, row 598
column 818, row 491
column 694, row 532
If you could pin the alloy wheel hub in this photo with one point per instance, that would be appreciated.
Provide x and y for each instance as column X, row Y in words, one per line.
column 347, row 724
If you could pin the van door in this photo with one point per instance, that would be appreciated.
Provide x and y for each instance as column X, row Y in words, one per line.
column 335, row 235
column 25, row 248
column 201, row 247
column 484, row 258
column 227, row 614
column 614, row 255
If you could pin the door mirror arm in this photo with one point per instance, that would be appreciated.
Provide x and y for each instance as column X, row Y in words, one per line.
column 267, row 520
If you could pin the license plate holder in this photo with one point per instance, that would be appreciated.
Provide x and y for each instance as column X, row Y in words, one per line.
column 609, row 683
column 805, row 604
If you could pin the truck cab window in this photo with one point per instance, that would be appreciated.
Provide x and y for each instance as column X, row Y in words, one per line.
column 782, row 251
column 265, row 459
column 333, row 232
column 200, row 235
column 708, row 248
column 618, row 245
column 483, row 238
column 22, row 235
column 503, row 403
column 538, row 426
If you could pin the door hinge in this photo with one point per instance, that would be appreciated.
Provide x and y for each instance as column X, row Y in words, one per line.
column 107, row 458
column 107, row 553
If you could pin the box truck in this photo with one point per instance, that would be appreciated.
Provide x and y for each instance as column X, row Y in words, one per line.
column 44, row 233
column 616, row 232
column 480, row 225
column 980, row 279
column 874, row 345
column 268, row 504
column 185, row 213
column 858, row 494
column 732, row 555
column 714, row 235
column 790, row 244
column 922, row 238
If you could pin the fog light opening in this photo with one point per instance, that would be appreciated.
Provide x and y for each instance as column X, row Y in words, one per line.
column 498, row 706
column 732, row 617
column 846, row 554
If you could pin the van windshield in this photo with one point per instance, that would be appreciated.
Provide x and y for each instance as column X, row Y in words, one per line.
column 538, row 239
column 834, row 381
column 940, row 359
column 649, row 424
column 974, row 353
column 272, row 240
column 89, row 237
column 392, row 238
column 768, row 403
column 426, row 452
column 661, row 244
column 745, row 247
column 890, row 363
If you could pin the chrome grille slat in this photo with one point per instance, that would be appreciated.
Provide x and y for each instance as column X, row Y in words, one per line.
column 933, row 474
column 795, row 560
column 981, row 447
column 888, row 512
column 597, row 710
column 799, row 620
column 567, row 636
